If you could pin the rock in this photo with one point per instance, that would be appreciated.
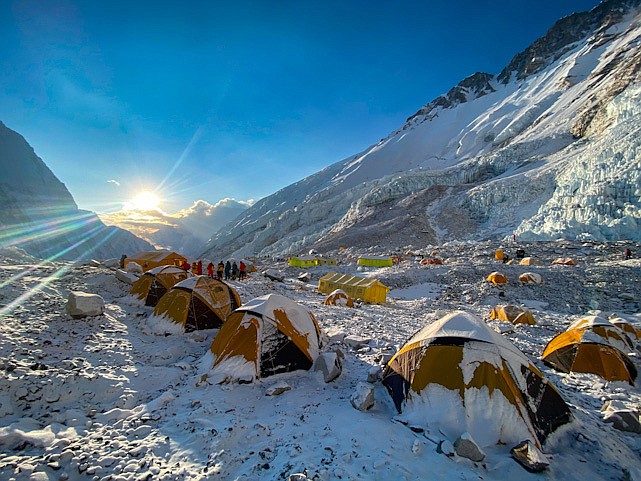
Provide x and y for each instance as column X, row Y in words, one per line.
column 466, row 447
column 274, row 275
column 335, row 335
column 93, row 263
column 134, row 268
column 82, row 304
column 304, row 277
column 278, row 389
column 329, row 363
column 529, row 456
column 363, row 397
column 356, row 341
column 624, row 420
column 39, row 476
column 126, row 277
column 112, row 263
column 373, row 374
column 297, row 477
column 446, row 448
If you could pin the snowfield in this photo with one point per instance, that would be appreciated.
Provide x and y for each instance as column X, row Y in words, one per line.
column 104, row 398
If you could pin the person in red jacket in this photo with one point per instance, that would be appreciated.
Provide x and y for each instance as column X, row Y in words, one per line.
column 185, row 266
column 199, row 268
column 210, row 269
column 242, row 268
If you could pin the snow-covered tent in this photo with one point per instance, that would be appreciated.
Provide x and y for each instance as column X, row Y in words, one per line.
column 513, row 314
column 496, row 278
column 530, row 261
column 563, row 261
column 339, row 298
column 531, row 278
column 589, row 349
column 196, row 303
column 626, row 326
column 269, row 335
column 605, row 329
column 457, row 375
column 155, row 283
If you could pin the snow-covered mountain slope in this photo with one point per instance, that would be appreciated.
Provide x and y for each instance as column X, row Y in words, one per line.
column 39, row 215
column 518, row 152
column 185, row 231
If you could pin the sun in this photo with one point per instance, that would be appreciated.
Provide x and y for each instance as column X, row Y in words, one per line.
column 145, row 201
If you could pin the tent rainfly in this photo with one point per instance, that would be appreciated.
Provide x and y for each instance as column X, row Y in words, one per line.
column 366, row 289
column 269, row 335
column 155, row 283
column 496, row 278
column 375, row 261
column 339, row 298
column 196, row 303
column 303, row 261
column 457, row 375
column 582, row 350
column 149, row 260
column 513, row 314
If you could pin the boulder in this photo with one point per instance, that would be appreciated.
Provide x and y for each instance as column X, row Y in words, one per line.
column 329, row 363
column 356, row 341
column 466, row 447
column 446, row 448
column 82, row 304
column 363, row 397
column 373, row 374
column 624, row 420
column 112, row 263
column 126, row 277
column 134, row 268
column 274, row 275
column 529, row 456
column 278, row 389
column 335, row 335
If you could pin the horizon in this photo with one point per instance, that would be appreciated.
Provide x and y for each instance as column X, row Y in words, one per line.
column 233, row 102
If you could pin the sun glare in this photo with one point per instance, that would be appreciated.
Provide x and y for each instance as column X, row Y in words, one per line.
column 145, row 201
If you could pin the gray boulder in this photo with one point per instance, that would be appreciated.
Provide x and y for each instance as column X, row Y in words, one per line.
column 363, row 397
column 529, row 456
column 466, row 447
column 329, row 363
column 81, row 304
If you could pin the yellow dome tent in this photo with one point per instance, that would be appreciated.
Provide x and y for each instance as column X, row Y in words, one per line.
column 513, row 314
column 457, row 375
column 563, row 261
column 155, row 283
column 530, row 261
column 339, row 298
column 150, row 259
column 196, row 303
column 626, row 326
column 269, row 335
column 497, row 278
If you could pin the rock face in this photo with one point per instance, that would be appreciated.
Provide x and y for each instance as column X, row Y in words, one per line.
column 547, row 149
column 39, row 215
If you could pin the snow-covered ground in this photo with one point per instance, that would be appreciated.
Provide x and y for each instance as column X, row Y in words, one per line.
column 103, row 398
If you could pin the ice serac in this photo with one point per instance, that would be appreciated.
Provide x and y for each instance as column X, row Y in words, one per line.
column 39, row 215
column 546, row 149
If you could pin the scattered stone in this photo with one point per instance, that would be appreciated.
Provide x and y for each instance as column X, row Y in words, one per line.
column 278, row 389
column 82, row 304
column 446, row 448
column 356, row 341
column 126, row 277
column 329, row 363
column 297, row 477
column 363, row 397
column 466, row 447
column 624, row 420
column 274, row 275
column 134, row 268
column 373, row 374
column 529, row 456
column 335, row 335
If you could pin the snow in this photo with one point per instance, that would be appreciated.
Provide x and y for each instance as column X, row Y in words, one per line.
column 104, row 396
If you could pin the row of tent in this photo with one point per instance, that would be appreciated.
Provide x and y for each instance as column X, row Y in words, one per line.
column 456, row 373
column 498, row 278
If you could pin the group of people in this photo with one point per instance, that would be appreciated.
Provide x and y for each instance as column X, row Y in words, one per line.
column 227, row 270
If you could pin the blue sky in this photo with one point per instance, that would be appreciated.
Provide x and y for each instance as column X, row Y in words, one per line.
column 212, row 100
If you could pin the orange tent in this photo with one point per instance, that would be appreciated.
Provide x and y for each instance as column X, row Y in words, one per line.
column 497, row 278
column 531, row 278
column 155, row 283
column 339, row 298
column 196, row 303
column 513, row 314
column 269, row 335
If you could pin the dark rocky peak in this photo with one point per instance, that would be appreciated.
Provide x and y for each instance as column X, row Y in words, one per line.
column 565, row 32
column 469, row 88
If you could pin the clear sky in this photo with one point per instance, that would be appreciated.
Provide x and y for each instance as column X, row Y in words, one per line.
column 235, row 99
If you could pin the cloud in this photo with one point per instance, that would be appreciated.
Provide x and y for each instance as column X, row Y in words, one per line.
column 114, row 181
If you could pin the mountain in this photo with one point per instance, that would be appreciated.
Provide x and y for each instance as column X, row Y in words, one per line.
column 185, row 231
column 39, row 215
column 546, row 149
